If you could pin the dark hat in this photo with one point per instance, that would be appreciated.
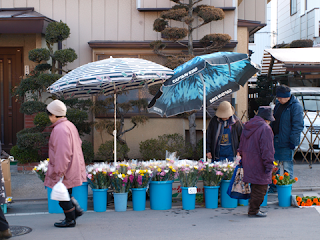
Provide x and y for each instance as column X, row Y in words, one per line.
column 266, row 113
column 283, row 91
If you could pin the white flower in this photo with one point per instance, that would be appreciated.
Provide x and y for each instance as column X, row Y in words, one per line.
column 129, row 172
column 120, row 176
column 166, row 170
column 195, row 167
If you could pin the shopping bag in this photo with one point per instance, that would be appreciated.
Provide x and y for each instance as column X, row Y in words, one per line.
column 60, row 192
column 237, row 188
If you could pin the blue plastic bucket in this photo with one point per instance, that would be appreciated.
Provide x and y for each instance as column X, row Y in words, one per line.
column 211, row 195
column 80, row 193
column 284, row 195
column 243, row 202
column 188, row 200
column 226, row 200
column 99, row 200
column 265, row 200
column 53, row 205
column 160, row 195
column 139, row 199
column 120, row 201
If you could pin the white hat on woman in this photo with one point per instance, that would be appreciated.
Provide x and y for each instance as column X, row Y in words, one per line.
column 225, row 110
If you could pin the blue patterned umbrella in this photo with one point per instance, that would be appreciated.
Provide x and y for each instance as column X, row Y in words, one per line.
column 109, row 76
column 201, row 82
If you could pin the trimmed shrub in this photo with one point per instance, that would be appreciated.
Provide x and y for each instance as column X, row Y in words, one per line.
column 25, row 155
column 88, row 152
column 105, row 151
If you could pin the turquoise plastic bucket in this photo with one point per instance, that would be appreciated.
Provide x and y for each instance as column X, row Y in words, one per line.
column 120, row 201
column 188, row 200
column 99, row 200
column 243, row 202
column 160, row 195
column 80, row 193
column 226, row 200
column 53, row 205
column 265, row 200
column 139, row 199
column 211, row 195
column 284, row 195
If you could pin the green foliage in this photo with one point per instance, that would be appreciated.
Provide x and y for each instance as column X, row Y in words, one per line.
column 45, row 80
column 199, row 148
column 156, row 148
column 39, row 54
column 174, row 33
column 159, row 25
column 78, row 118
column 31, row 141
column 42, row 67
column 41, row 120
column 31, row 107
column 65, row 56
column 83, row 104
column 88, row 152
column 302, row 43
column 25, row 155
column 105, row 151
column 57, row 31
column 176, row 60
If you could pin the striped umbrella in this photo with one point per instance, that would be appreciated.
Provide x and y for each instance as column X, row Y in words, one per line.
column 109, row 76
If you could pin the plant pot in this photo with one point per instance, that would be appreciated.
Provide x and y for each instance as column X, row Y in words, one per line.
column 53, row 205
column 188, row 200
column 284, row 195
column 100, row 200
column 226, row 200
column 265, row 200
column 139, row 199
column 80, row 193
column 160, row 195
column 243, row 202
column 211, row 195
column 120, row 201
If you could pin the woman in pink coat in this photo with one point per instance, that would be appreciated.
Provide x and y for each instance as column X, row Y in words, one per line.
column 65, row 160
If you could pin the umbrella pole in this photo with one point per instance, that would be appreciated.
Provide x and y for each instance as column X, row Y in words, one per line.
column 204, row 117
column 115, row 125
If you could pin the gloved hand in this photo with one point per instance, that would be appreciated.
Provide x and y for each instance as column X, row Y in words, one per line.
column 291, row 146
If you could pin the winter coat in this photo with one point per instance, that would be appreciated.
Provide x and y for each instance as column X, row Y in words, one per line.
column 291, row 123
column 215, row 130
column 257, row 152
column 65, row 156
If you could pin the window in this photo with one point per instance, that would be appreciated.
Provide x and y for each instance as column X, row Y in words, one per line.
column 293, row 7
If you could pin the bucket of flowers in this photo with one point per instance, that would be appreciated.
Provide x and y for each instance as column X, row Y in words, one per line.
column 141, row 179
column 160, row 190
column 121, row 179
column 284, row 188
column 99, row 180
column 188, row 174
column 227, row 168
column 211, row 177
column 307, row 201
column 41, row 169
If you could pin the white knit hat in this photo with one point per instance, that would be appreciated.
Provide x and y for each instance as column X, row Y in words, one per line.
column 57, row 108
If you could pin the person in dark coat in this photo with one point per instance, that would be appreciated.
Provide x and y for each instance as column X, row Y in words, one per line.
column 287, row 127
column 5, row 232
column 223, row 134
column 257, row 156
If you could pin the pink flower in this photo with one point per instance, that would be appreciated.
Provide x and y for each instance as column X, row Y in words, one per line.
column 131, row 177
column 123, row 184
column 89, row 176
column 219, row 173
column 162, row 173
column 139, row 180
column 125, row 180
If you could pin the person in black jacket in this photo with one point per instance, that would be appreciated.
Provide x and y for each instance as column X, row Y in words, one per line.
column 223, row 134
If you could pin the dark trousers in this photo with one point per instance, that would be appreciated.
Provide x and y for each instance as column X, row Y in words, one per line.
column 256, row 198
column 67, row 207
column 3, row 222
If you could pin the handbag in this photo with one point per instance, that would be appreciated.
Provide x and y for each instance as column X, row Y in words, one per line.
column 238, row 188
column 60, row 192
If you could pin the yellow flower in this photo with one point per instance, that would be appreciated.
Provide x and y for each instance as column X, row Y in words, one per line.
column 114, row 173
column 170, row 167
column 35, row 168
column 123, row 175
column 168, row 159
column 159, row 169
column 141, row 171
column 275, row 163
column 173, row 170
column 48, row 159
column 142, row 174
column 104, row 172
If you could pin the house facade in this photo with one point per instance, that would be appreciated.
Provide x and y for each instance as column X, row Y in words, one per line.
column 104, row 28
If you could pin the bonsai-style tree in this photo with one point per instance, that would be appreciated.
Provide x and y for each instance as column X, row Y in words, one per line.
column 106, row 107
column 188, row 13
column 31, row 89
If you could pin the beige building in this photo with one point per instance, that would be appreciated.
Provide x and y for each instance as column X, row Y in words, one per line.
column 103, row 28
